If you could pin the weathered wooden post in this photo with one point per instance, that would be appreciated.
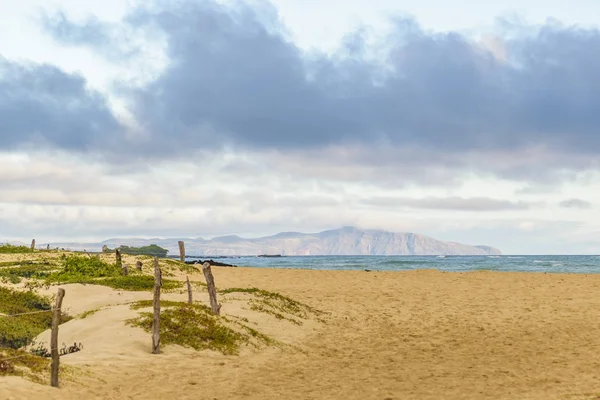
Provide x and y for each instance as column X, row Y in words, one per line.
column 118, row 258
column 156, row 322
column 56, row 313
column 189, row 288
column 33, row 245
column 181, row 251
column 138, row 265
column 212, row 290
column 125, row 269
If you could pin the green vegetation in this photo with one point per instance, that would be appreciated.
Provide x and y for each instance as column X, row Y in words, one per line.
column 183, row 267
column 26, row 365
column 26, row 269
column 152, row 250
column 276, row 304
column 19, row 331
column 191, row 325
column 77, row 267
column 6, row 248
column 87, row 313
column 163, row 303
column 256, row 334
column 92, row 270
column 136, row 283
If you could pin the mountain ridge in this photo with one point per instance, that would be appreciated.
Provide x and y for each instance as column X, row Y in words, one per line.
column 344, row 241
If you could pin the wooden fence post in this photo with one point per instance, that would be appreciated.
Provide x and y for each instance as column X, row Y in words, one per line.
column 156, row 322
column 54, row 338
column 118, row 258
column 212, row 290
column 125, row 269
column 189, row 288
column 138, row 265
column 33, row 245
column 181, row 251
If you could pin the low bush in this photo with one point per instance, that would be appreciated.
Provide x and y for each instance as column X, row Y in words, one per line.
column 6, row 248
column 28, row 269
column 27, row 365
column 77, row 268
column 191, row 325
column 19, row 330
column 275, row 304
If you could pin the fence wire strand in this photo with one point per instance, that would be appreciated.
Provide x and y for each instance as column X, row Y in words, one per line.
column 21, row 356
column 26, row 313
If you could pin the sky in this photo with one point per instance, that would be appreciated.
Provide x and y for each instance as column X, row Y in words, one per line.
column 467, row 121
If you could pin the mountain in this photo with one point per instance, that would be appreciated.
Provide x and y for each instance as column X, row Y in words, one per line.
column 344, row 241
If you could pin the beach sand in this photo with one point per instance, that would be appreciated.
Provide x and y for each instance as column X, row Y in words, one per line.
column 387, row 335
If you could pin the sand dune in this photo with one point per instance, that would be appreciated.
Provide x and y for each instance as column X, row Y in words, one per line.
column 392, row 335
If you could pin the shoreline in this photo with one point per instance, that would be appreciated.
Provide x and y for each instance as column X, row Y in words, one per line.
column 417, row 334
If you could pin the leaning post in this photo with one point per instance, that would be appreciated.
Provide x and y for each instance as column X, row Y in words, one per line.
column 212, row 290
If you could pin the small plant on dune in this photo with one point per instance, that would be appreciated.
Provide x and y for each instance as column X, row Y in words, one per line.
column 19, row 330
column 77, row 267
column 6, row 248
column 276, row 304
column 29, row 270
column 92, row 270
column 183, row 267
column 22, row 363
column 191, row 325
column 137, row 283
column 163, row 303
column 87, row 313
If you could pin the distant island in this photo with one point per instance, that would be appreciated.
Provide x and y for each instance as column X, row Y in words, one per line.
column 151, row 250
column 343, row 241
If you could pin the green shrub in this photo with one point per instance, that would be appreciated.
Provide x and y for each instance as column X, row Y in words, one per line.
column 28, row 269
column 152, row 250
column 192, row 326
column 27, row 365
column 15, row 302
column 6, row 248
column 20, row 330
column 275, row 304
column 16, row 332
column 77, row 266
column 136, row 283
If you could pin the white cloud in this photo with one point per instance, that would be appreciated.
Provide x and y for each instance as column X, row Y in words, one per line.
column 73, row 196
column 63, row 197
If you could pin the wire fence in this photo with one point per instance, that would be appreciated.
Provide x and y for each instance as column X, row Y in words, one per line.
column 21, row 356
column 18, row 315
column 26, row 313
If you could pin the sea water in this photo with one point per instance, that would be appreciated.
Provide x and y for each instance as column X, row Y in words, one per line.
column 558, row 264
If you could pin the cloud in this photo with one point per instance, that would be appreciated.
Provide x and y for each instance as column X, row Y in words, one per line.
column 40, row 105
column 449, row 203
column 416, row 106
column 576, row 203
column 235, row 80
column 116, row 42
column 246, row 84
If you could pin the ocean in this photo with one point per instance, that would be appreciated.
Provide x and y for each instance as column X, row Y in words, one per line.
column 553, row 264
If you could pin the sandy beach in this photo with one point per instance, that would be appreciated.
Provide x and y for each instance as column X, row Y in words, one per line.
column 385, row 335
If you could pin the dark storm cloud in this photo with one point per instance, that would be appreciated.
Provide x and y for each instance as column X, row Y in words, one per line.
column 40, row 105
column 234, row 79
